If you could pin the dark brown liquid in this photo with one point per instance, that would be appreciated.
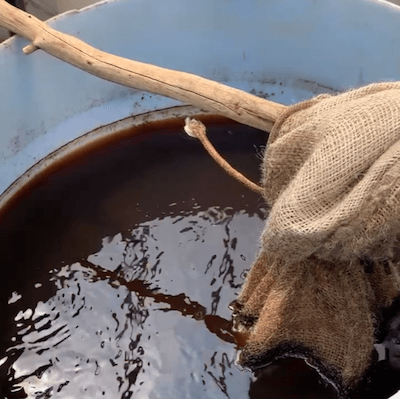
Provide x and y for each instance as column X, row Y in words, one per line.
column 119, row 268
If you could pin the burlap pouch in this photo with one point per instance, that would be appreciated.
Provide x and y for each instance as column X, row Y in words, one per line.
column 331, row 175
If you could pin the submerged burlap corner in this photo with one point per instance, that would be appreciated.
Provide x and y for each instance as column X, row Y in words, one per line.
column 331, row 175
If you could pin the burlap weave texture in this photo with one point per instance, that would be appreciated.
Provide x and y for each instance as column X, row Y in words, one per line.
column 331, row 175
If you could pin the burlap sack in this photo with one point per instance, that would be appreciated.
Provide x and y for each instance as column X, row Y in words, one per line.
column 331, row 175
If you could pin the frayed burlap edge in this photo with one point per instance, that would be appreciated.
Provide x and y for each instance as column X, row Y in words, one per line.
column 275, row 295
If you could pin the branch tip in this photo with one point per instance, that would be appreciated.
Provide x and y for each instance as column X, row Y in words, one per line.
column 189, row 123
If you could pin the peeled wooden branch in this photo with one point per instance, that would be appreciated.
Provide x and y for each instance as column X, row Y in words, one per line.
column 188, row 88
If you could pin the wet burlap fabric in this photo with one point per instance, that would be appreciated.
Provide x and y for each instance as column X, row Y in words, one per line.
column 331, row 175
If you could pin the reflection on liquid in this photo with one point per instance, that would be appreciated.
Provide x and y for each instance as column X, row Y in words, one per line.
column 96, row 310
column 146, row 316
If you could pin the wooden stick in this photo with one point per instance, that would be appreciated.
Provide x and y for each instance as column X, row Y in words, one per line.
column 195, row 128
column 188, row 88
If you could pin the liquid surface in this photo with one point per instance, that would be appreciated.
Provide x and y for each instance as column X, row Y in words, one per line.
column 120, row 267
column 117, row 272
column 141, row 330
